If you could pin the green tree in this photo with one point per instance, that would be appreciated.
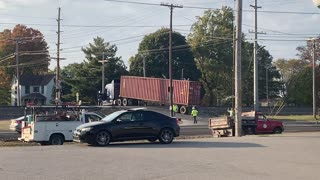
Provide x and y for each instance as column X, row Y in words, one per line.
column 154, row 49
column 300, row 88
column 212, row 46
column 287, row 69
column 85, row 78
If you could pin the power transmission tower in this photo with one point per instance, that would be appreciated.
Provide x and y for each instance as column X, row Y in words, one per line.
column 238, row 104
column 58, row 81
column 171, row 6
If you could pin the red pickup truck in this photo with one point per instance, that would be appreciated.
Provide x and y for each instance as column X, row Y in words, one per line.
column 252, row 123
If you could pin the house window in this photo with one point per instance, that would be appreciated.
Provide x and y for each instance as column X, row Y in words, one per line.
column 36, row 89
column 42, row 89
column 27, row 90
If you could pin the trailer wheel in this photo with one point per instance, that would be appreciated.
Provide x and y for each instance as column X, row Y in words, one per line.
column 183, row 110
column 56, row 139
column 119, row 103
column 125, row 102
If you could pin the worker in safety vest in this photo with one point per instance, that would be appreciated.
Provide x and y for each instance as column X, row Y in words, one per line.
column 194, row 114
column 175, row 109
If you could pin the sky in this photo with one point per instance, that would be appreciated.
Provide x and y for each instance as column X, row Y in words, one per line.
column 83, row 20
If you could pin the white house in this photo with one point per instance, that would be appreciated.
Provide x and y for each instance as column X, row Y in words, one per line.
column 36, row 89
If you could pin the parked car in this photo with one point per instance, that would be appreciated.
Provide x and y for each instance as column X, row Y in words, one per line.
column 15, row 124
column 132, row 124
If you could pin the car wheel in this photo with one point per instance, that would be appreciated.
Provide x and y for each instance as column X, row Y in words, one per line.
column 166, row 136
column 103, row 138
column 152, row 140
column 56, row 139
column 277, row 130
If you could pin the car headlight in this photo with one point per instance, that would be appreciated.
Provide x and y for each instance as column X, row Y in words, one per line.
column 86, row 129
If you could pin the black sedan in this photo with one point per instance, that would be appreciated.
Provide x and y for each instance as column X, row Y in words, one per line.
column 133, row 124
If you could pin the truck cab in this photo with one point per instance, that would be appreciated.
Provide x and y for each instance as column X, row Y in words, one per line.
column 262, row 123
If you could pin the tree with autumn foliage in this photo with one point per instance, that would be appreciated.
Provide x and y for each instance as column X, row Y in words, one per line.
column 33, row 56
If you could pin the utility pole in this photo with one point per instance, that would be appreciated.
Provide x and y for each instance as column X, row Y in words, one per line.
column 144, row 65
column 255, row 62
column 267, row 88
column 314, row 80
column 171, row 6
column 18, row 73
column 58, row 81
column 238, row 104
column 103, row 68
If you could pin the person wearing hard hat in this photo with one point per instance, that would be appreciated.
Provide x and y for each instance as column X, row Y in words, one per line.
column 194, row 114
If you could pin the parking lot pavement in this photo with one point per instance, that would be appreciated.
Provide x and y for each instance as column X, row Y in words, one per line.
column 286, row 156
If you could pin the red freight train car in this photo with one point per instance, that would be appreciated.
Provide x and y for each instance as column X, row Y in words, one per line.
column 185, row 93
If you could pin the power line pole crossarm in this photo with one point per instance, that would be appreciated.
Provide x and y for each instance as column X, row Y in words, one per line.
column 171, row 6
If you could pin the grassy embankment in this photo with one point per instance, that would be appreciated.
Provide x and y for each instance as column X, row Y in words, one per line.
column 4, row 125
column 293, row 118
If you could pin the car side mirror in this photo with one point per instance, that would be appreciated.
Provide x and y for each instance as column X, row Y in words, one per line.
column 118, row 120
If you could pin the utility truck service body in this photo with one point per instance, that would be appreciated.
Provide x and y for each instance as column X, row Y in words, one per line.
column 252, row 123
column 55, row 129
column 132, row 90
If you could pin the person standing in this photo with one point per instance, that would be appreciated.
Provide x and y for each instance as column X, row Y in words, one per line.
column 194, row 114
column 175, row 109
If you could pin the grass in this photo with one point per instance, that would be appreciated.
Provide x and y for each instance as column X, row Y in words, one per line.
column 294, row 117
column 4, row 125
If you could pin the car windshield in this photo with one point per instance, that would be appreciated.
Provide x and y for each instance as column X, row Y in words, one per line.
column 111, row 116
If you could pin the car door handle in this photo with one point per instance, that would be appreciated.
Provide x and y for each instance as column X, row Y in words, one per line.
column 57, row 124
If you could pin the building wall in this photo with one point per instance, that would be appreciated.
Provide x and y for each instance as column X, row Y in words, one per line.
column 48, row 90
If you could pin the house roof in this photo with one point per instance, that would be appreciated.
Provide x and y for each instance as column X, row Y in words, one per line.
column 35, row 80
column 34, row 96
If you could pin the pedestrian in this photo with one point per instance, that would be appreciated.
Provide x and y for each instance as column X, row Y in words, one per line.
column 99, row 98
column 231, row 112
column 194, row 114
column 175, row 109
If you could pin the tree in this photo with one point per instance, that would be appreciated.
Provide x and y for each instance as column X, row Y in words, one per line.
column 33, row 56
column 33, row 50
column 212, row 46
column 306, row 52
column 85, row 77
column 289, row 68
column 300, row 88
column 154, row 49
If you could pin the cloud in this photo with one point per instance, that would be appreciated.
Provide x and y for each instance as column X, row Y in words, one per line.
column 3, row 5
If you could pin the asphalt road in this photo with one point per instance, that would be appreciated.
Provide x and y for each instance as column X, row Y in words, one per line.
column 197, row 130
column 287, row 156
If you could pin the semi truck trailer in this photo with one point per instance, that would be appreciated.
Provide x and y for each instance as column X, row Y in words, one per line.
column 133, row 90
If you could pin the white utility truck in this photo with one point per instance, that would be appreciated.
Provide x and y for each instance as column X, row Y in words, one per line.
column 56, row 128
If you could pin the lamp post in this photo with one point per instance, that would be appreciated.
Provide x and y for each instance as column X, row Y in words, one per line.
column 316, row 3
